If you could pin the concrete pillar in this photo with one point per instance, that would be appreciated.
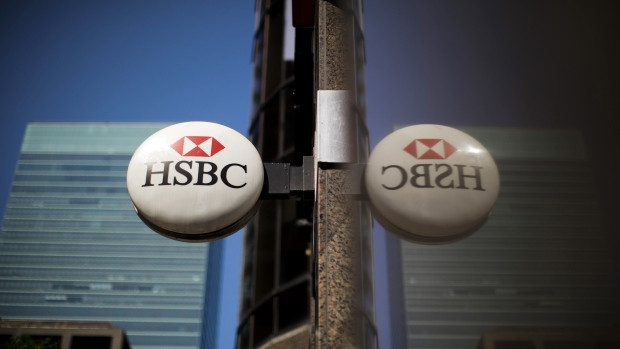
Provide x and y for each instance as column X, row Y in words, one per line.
column 339, row 318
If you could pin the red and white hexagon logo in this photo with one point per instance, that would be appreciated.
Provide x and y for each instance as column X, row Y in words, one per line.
column 430, row 148
column 203, row 146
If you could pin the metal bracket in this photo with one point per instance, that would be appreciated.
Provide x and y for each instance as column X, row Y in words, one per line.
column 283, row 180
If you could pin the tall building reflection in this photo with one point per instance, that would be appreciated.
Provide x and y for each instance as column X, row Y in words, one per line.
column 542, row 261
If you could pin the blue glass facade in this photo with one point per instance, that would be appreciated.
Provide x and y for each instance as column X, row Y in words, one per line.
column 72, row 247
column 542, row 260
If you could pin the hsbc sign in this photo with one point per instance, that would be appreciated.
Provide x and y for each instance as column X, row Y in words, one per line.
column 438, row 174
column 199, row 181
column 431, row 183
column 206, row 171
column 195, row 181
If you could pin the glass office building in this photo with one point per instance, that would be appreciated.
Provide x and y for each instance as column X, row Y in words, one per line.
column 73, row 249
column 541, row 266
column 277, row 273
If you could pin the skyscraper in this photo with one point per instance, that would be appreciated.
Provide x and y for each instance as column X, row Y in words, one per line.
column 542, row 260
column 72, row 247
column 277, row 270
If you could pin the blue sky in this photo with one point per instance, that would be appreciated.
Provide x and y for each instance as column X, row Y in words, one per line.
column 510, row 63
column 123, row 61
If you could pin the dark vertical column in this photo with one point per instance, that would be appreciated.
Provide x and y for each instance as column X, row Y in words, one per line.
column 303, row 93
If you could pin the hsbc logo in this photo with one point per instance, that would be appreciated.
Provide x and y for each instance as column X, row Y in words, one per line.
column 195, row 181
column 185, row 172
column 430, row 148
column 437, row 175
column 434, row 175
column 203, row 146
column 431, row 184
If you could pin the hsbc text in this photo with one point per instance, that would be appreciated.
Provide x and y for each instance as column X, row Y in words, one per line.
column 435, row 175
column 206, row 173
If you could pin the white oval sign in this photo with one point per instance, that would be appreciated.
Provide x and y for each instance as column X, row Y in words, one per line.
column 431, row 184
column 195, row 181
